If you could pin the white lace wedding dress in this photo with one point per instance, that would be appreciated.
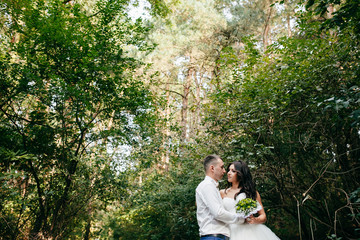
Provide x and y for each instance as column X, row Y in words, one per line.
column 247, row 231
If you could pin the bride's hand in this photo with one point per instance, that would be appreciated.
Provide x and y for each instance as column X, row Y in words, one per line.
column 257, row 220
column 251, row 220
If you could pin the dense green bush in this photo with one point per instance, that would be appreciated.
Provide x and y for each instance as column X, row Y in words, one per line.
column 293, row 114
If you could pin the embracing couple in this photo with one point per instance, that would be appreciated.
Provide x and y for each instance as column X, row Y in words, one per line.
column 216, row 214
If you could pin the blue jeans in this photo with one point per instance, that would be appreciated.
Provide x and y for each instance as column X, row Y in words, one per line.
column 210, row 238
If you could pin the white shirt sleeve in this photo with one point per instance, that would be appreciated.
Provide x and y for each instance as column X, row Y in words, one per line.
column 210, row 196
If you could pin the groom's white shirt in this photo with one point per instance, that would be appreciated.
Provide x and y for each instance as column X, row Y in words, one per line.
column 211, row 214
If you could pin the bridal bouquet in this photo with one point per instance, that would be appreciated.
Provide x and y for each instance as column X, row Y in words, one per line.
column 247, row 207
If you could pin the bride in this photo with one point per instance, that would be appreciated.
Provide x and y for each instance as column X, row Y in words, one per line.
column 240, row 186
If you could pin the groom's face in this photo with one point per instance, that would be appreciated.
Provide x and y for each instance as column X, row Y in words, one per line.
column 219, row 169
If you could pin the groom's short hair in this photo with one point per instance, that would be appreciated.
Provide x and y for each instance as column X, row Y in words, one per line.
column 210, row 160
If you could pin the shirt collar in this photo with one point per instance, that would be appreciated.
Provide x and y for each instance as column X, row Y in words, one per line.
column 216, row 183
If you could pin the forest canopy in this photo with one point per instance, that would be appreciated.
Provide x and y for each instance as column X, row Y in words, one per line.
column 106, row 117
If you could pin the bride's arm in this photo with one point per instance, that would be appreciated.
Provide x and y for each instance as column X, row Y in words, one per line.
column 262, row 215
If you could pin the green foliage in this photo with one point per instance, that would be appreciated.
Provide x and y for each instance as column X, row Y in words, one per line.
column 72, row 104
column 68, row 100
column 347, row 14
column 161, row 207
column 292, row 114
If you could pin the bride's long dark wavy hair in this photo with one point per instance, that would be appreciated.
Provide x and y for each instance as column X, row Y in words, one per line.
column 246, row 183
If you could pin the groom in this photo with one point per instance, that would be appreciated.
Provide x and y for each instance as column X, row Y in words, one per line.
column 212, row 218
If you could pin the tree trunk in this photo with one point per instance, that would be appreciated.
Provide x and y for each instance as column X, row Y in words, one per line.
column 197, row 118
column 266, row 34
column 165, row 157
column 185, row 103
column 41, row 216
column 87, row 228
column 330, row 15
column 330, row 11
column 288, row 18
